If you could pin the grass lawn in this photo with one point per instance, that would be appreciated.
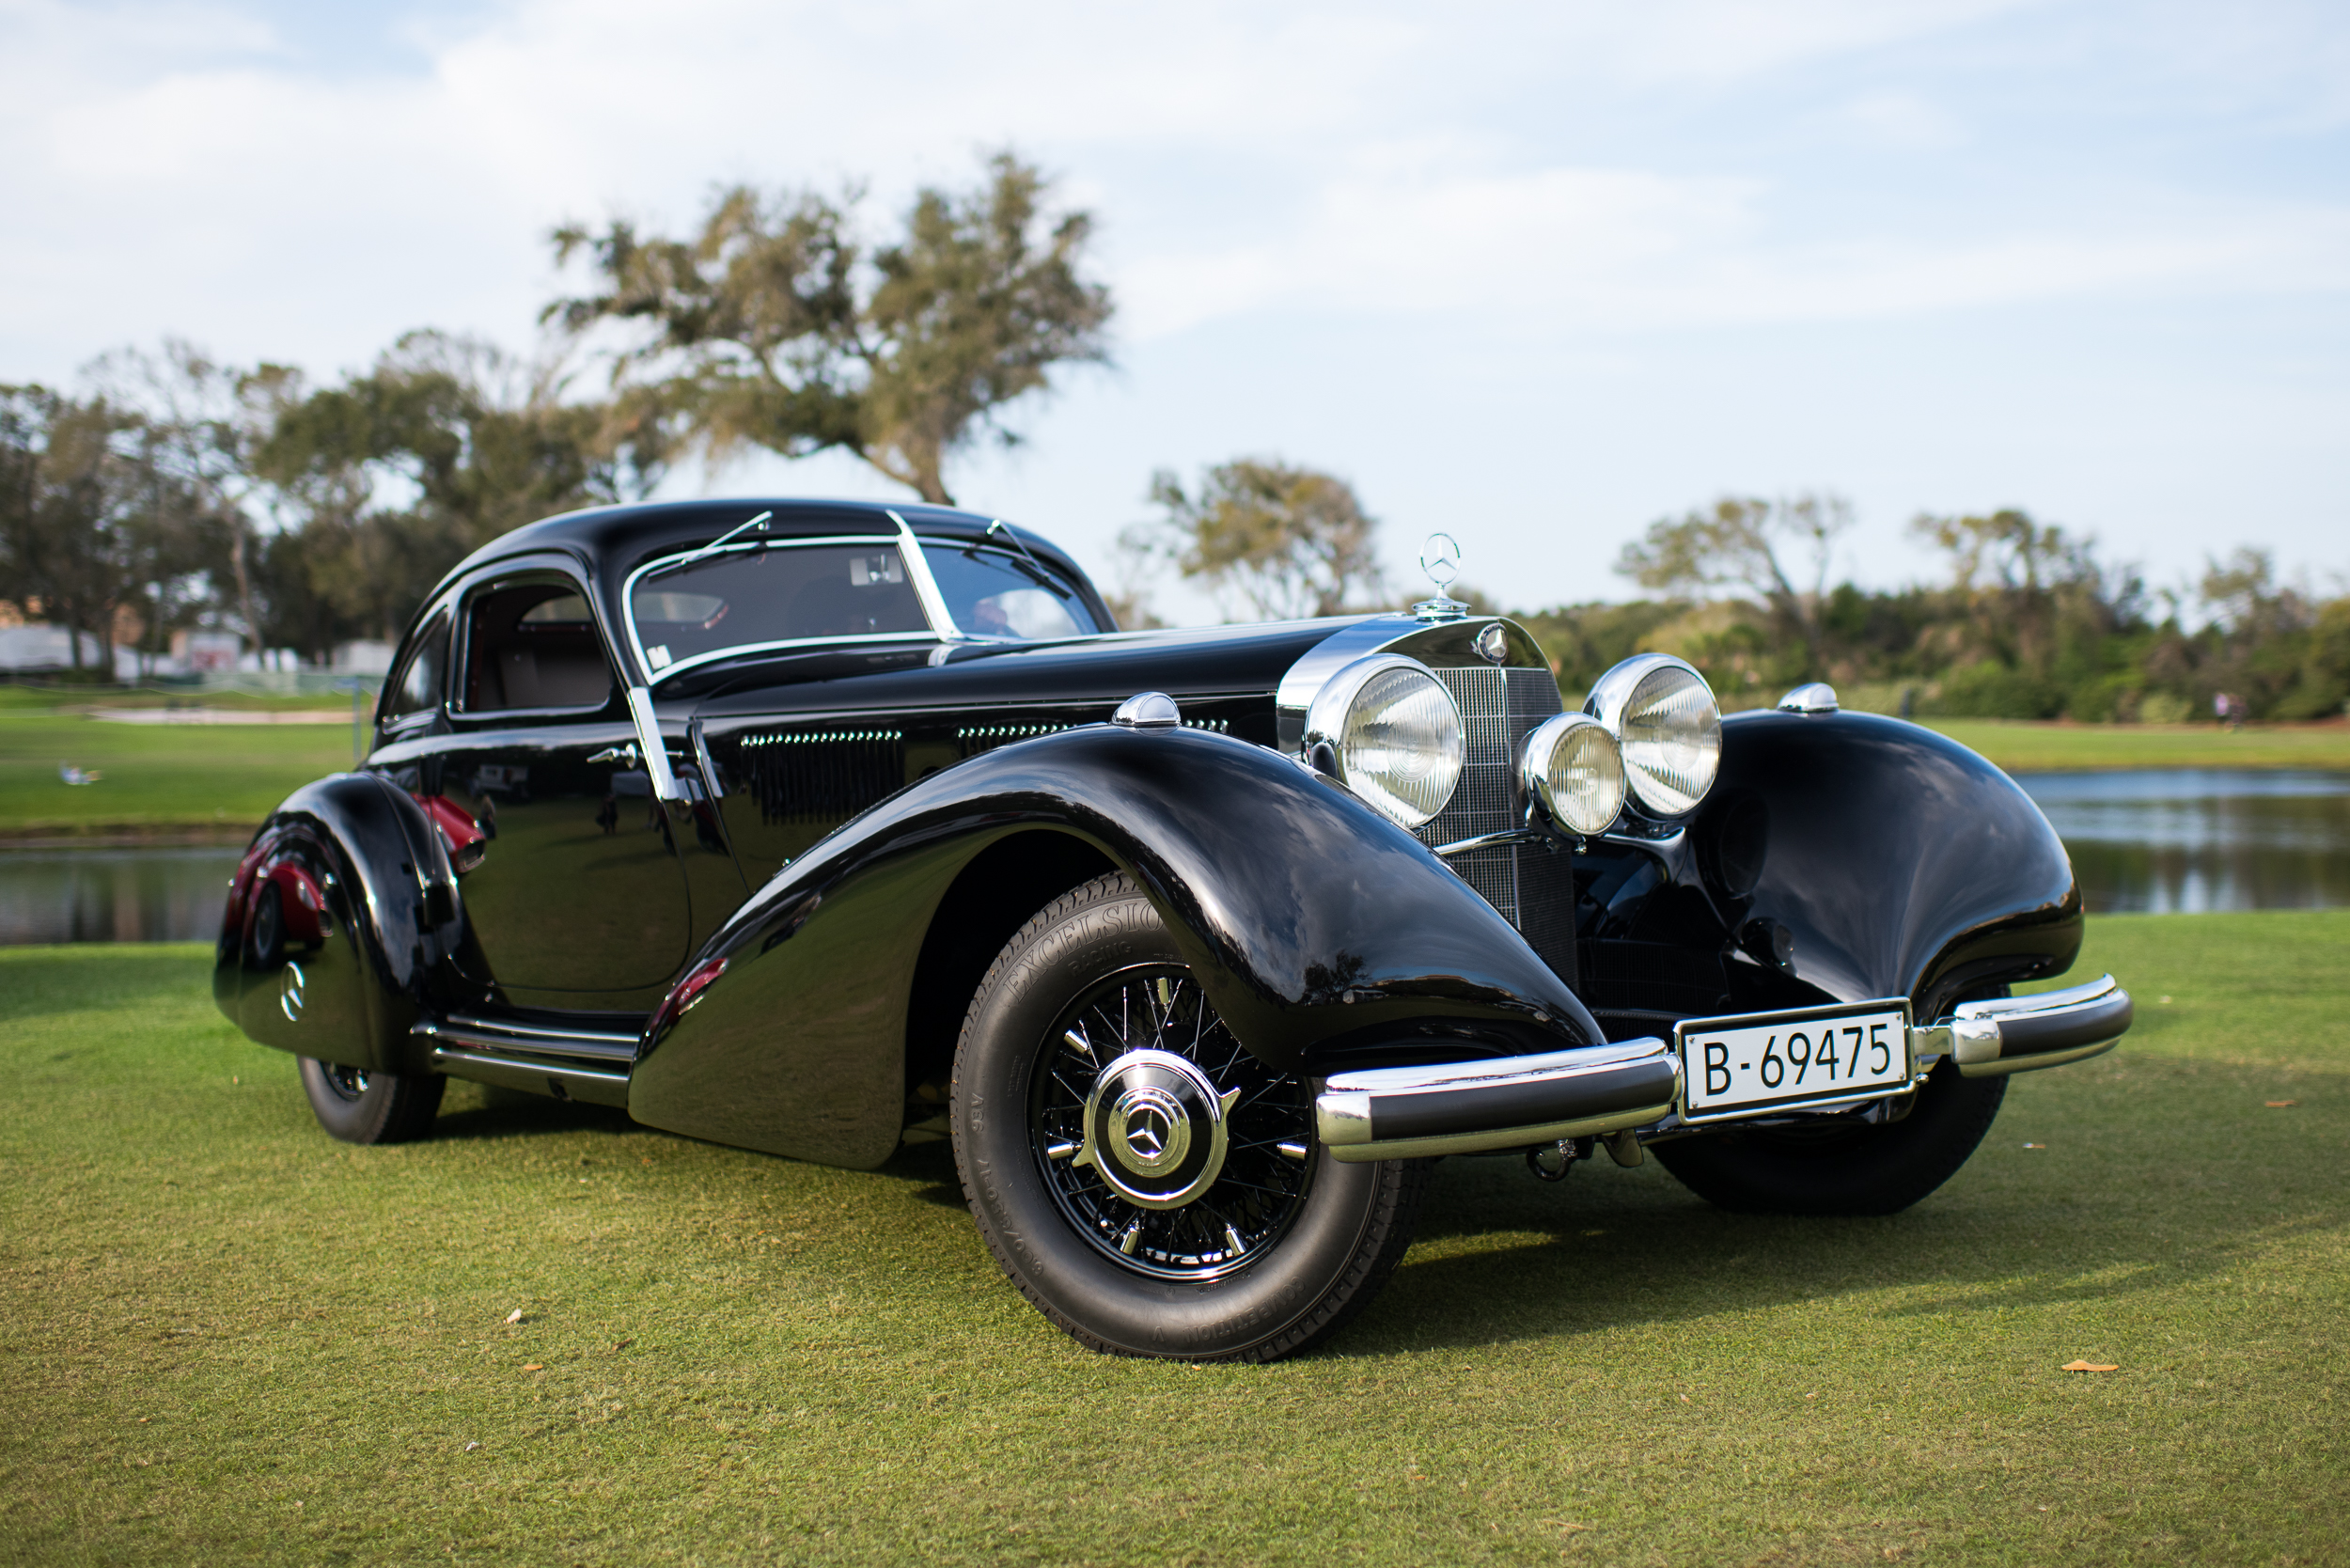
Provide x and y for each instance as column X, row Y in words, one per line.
column 2021, row 748
column 231, row 1339
column 222, row 779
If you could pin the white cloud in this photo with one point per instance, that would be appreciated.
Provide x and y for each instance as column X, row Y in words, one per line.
column 1559, row 195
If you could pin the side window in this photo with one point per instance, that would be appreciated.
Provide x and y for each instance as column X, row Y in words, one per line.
column 422, row 676
column 532, row 645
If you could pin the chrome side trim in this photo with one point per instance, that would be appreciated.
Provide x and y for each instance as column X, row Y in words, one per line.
column 543, row 1041
column 596, row 1086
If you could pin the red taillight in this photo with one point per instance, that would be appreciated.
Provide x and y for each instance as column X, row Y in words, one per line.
column 686, row 993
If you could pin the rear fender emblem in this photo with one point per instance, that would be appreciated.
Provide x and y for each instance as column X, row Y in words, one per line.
column 289, row 993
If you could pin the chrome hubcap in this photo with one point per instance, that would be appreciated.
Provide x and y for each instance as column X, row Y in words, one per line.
column 1155, row 1130
column 1164, row 1143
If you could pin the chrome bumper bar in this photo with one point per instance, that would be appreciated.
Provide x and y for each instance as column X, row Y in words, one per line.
column 2016, row 1034
column 1465, row 1107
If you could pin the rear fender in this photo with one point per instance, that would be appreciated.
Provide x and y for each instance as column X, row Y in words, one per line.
column 367, row 918
column 1322, row 932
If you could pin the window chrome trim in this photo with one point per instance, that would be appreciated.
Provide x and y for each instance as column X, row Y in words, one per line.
column 522, row 574
column 925, row 586
column 649, row 744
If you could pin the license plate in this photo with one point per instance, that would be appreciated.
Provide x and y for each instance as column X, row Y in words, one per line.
column 1760, row 1062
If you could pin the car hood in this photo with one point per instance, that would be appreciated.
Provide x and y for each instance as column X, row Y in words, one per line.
column 1213, row 661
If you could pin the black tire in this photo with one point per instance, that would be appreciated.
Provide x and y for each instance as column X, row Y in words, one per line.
column 1243, row 1251
column 360, row 1106
column 1841, row 1167
column 267, row 945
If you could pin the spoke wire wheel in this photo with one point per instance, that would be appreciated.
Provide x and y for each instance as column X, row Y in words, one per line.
column 1160, row 1131
column 360, row 1105
column 346, row 1082
column 1167, row 1145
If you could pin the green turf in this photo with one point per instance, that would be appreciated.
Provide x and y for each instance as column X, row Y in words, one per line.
column 2026, row 747
column 221, row 777
column 227, row 1338
column 29, row 700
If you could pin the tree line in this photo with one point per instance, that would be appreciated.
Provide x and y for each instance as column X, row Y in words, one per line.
column 168, row 492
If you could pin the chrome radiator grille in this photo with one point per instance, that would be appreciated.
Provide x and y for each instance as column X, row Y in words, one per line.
column 1533, row 886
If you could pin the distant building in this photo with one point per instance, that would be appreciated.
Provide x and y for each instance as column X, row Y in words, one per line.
column 42, row 650
column 206, row 653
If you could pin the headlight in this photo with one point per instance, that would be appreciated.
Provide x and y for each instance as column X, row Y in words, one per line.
column 1573, row 769
column 1664, row 717
column 1396, row 734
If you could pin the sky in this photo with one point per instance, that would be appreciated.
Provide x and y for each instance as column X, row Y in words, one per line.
column 1531, row 275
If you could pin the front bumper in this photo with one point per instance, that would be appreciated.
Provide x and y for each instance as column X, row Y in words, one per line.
column 2016, row 1034
column 1391, row 1113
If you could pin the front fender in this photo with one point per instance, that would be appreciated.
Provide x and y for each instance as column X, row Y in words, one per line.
column 1319, row 929
column 370, row 919
column 1898, row 862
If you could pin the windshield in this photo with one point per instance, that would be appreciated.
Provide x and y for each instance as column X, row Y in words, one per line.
column 754, row 598
column 993, row 593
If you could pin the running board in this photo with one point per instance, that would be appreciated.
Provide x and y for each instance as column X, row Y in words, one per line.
column 568, row 1064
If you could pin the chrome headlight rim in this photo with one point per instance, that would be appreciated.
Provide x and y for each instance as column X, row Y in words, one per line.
column 1611, row 697
column 1540, row 756
column 1326, row 725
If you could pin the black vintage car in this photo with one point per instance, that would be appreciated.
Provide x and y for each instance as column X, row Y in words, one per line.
column 818, row 827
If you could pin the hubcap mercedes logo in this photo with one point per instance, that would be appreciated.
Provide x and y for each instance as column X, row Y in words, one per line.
column 1155, row 1128
column 1153, row 1134
column 289, row 993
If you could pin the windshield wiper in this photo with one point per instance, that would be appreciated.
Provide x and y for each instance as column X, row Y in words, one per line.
column 716, row 544
column 1035, row 568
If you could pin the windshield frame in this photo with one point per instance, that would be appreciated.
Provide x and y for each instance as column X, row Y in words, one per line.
column 700, row 552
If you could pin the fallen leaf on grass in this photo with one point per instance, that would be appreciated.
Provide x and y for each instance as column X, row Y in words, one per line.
column 2089, row 1366
column 532, row 1366
column 622, row 1344
column 1685, row 1399
column 2035, row 1146
column 470, row 1447
column 2279, row 1104
column 514, row 1316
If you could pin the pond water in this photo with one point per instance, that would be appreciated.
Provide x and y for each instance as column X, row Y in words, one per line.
column 2184, row 841
column 2175, row 841
column 144, row 894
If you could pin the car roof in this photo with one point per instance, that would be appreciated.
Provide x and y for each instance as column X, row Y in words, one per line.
column 611, row 541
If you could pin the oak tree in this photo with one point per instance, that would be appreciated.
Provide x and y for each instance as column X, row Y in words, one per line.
column 773, row 325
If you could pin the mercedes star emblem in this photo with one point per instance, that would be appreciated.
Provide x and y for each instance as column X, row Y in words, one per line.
column 289, row 993
column 1441, row 559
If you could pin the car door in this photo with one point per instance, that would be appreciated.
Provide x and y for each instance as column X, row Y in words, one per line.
column 578, row 899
